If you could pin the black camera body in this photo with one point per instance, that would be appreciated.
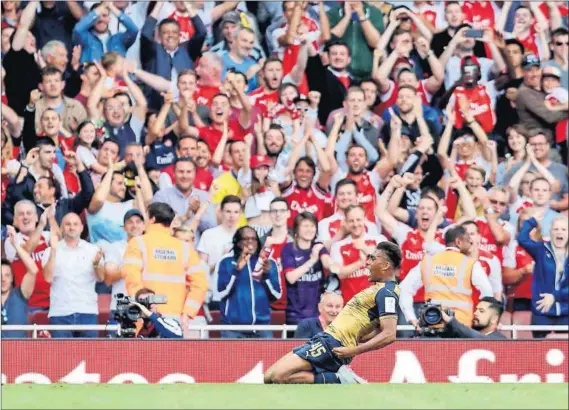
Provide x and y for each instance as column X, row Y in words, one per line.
column 431, row 319
column 127, row 313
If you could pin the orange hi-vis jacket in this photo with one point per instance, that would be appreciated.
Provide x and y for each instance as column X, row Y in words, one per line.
column 168, row 266
column 447, row 277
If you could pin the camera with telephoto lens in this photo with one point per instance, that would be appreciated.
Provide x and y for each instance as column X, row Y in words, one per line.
column 431, row 319
column 127, row 313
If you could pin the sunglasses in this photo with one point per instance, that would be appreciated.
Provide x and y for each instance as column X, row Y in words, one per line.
column 494, row 202
column 560, row 43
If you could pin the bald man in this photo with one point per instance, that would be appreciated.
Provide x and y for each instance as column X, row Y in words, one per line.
column 73, row 269
column 331, row 303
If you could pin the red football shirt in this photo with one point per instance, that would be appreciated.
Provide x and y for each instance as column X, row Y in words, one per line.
column 40, row 295
column 480, row 106
column 277, row 248
column 187, row 29
column 411, row 243
column 212, row 135
column 313, row 200
column 204, row 94
column 389, row 99
column 345, row 253
column 488, row 241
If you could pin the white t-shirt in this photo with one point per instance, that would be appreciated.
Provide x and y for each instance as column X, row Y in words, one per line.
column 87, row 155
column 114, row 253
column 107, row 224
column 215, row 243
column 256, row 203
column 74, row 279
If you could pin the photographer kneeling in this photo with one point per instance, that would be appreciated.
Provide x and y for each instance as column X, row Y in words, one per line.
column 484, row 325
column 140, row 319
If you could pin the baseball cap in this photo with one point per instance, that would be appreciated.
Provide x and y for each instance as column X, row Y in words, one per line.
column 473, row 59
column 551, row 71
column 530, row 60
column 132, row 212
column 230, row 17
column 260, row 161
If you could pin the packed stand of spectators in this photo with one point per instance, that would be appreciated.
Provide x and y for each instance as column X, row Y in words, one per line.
column 244, row 158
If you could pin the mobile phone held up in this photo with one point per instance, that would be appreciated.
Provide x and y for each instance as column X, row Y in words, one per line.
column 472, row 33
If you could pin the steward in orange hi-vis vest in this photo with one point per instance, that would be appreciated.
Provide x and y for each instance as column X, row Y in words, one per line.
column 447, row 280
column 168, row 266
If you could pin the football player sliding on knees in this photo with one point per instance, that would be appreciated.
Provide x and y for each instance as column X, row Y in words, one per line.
column 368, row 322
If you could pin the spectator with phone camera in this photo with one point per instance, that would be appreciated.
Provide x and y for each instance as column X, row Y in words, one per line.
column 461, row 46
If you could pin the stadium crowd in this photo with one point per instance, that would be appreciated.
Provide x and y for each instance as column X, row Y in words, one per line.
column 246, row 157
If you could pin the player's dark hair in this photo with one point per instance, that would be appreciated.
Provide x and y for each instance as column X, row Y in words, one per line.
column 344, row 182
column 495, row 305
column 220, row 95
column 230, row 199
column 301, row 217
column 238, row 237
column 281, row 200
column 161, row 212
column 392, row 252
column 453, row 233
column 436, row 190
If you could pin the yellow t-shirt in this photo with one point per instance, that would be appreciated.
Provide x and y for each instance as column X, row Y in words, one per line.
column 227, row 184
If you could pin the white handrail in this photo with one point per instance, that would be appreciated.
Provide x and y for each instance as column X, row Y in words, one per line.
column 249, row 328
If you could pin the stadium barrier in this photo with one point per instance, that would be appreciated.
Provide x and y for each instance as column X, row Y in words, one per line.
column 204, row 329
column 117, row 361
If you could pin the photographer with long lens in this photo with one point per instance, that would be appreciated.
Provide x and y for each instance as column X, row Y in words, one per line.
column 139, row 317
column 448, row 278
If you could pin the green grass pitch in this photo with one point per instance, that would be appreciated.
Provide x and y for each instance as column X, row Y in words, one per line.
column 243, row 396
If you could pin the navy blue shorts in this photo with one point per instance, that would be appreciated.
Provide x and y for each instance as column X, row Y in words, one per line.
column 318, row 352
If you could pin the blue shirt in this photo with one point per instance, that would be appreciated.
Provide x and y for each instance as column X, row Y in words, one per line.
column 302, row 296
column 242, row 67
column 15, row 312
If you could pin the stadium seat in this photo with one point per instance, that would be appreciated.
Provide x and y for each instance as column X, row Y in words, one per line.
column 278, row 317
column 37, row 318
column 557, row 336
column 506, row 320
column 522, row 318
column 215, row 316
column 104, row 301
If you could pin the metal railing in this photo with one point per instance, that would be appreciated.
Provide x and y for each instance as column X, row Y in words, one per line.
column 203, row 329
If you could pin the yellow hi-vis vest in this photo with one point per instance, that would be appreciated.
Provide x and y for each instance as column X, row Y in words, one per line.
column 447, row 277
column 168, row 266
